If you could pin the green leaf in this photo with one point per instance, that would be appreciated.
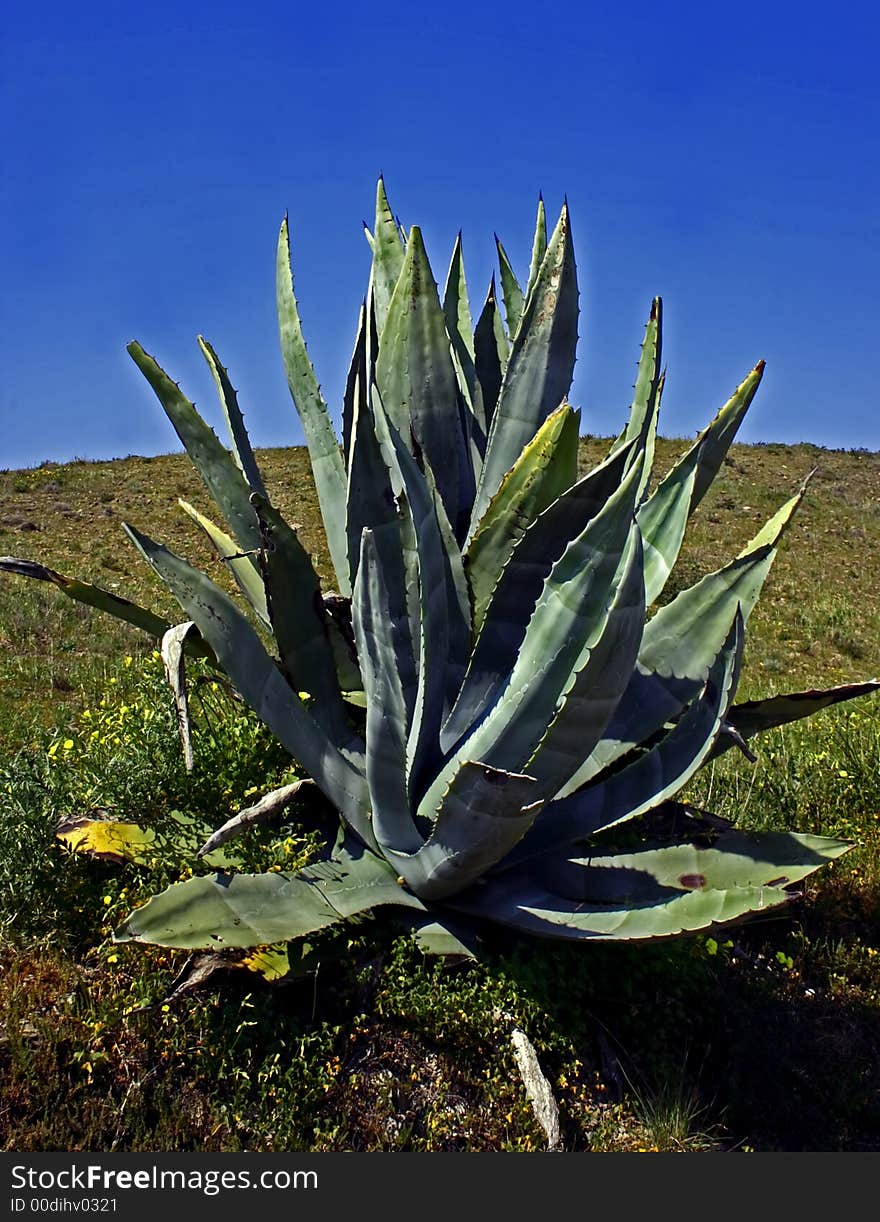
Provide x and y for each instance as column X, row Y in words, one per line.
column 519, row 587
column 385, row 651
column 240, row 652
column 355, row 389
column 441, row 936
column 681, row 641
column 663, row 517
column 481, row 815
column 653, row 893
column 370, row 494
column 416, row 376
column 338, row 613
column 682, row 633
column 539, row 371
column 243, row 910
column 756, row 716
column 642, row 425
column 595, row 687
column 455, row 303
column 473, row 415
column 511, row 292
column 539, row 245
column 568, row 620
column 491, row 352
column 654, row 775
column 328, row 468
column 734, row 859
column 388, row 256
column 247, row 578
column 241, row 446
column 544, row 470
column 714, row 441
column 223, row 478
column 441, row 641
column 299, row 619
column 531, row 908
column 101, row 600
column 472, row 437
column 457, row 597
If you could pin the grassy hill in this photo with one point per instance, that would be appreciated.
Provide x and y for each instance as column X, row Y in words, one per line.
column 818, row 621
column 768, row 1039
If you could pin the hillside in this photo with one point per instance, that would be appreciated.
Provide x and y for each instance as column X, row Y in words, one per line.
column 762, row 1037
column 818, row 621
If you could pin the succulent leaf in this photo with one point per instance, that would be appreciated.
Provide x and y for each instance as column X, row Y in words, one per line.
column 480, row 817
column 241, row 446
column 539, row 245
column 653, row 893
column 242, row 568
column 384, row 643
column 663, row 516
column 491, row 353
column 416, row 376
column 355, row 387
column 447, row 937
column 471, row 410
column 243, row 910
column 328, row 468
column 388, row 256
column 675, row 637
column 240, row 651
column 102, row 600
column 546, row 468
column 756, row 716
column 529, row 907
column 175, row 672
column 681, row 641
column 299, row 619
column 539, row 371
column 641, row 427
column 222, row 477
column 442, row 638
column 594, row 688
column 511, row 293
column 371, row 493
column 455, row 303
column 570, row 615
column 662, row 519
column 655, row 773
column 519, row 586
column 733, row 859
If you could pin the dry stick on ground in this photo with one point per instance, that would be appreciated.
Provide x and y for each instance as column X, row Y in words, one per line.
column 269, row 805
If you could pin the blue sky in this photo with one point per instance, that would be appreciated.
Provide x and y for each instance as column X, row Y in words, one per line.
column 725, row 158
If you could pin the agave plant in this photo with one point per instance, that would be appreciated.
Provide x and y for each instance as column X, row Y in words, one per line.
column 489, row 694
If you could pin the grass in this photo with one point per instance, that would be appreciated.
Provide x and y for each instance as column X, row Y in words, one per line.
column 767, row 1038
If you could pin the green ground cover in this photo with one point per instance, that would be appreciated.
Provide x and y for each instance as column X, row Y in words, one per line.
column 765, row 1039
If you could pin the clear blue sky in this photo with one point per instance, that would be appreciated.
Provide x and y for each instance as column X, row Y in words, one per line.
column 725, row 157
